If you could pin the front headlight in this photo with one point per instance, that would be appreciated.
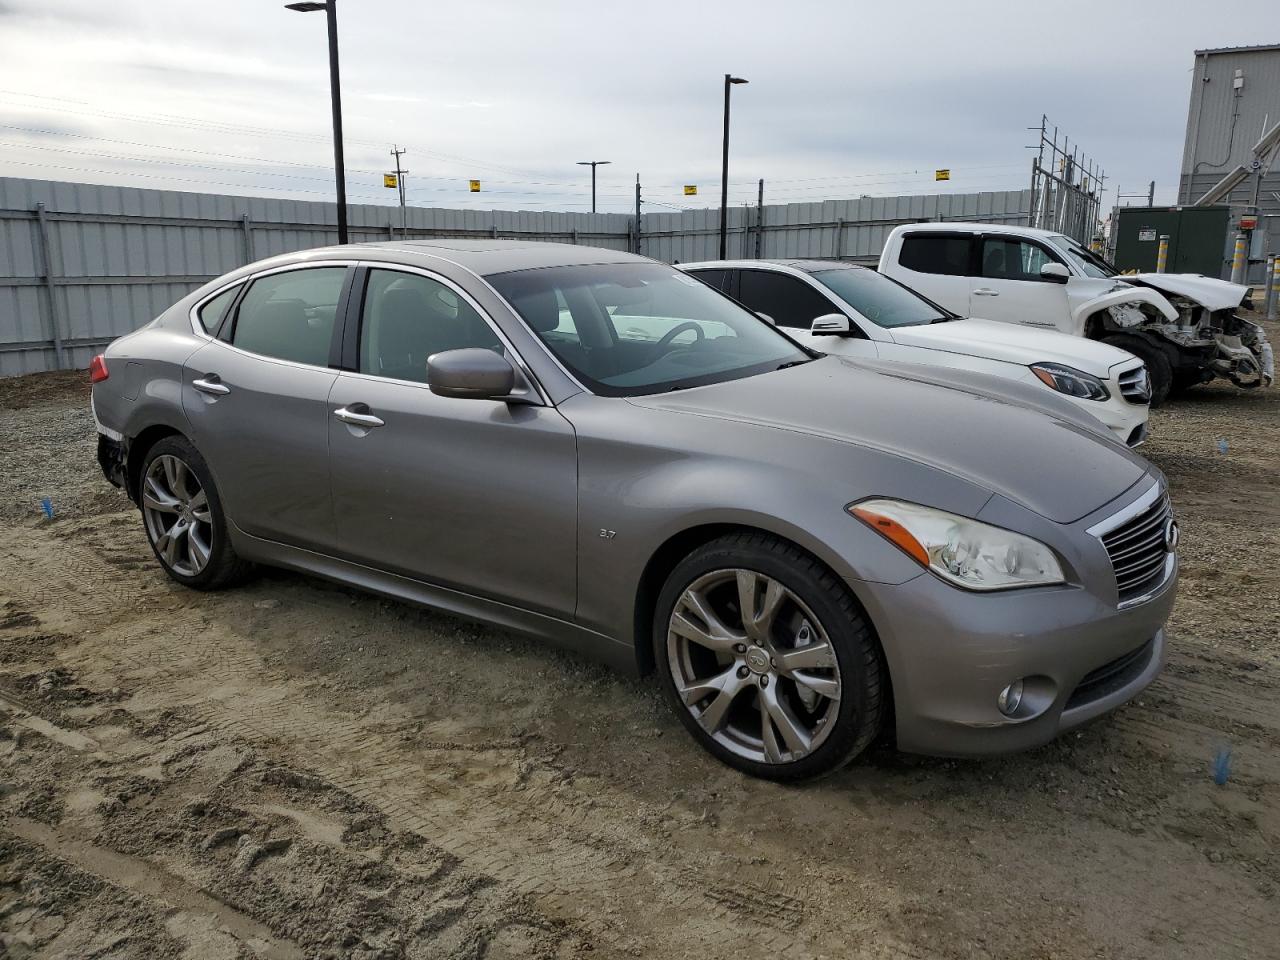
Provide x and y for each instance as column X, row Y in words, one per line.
column 969, row 554
column 1069, row 380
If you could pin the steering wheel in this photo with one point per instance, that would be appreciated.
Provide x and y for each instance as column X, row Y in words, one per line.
column 678, row 329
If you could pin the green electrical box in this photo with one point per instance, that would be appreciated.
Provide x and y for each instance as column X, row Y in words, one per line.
column 1197, row 238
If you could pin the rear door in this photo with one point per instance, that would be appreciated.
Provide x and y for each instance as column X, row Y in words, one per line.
column 476, row 495
column 938, row 265
column 1008, row 286
column 256, row 400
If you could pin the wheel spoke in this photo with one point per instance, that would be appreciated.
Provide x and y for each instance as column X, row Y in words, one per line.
column 175, row 474
column 716, row 635
column 167, row 545
column 828, row 687
column 813, row 656
column 792, row 730
column 758, row 612
column 156, row 498
column 197, row 549
column 769, row 736
column 200, row 507
column 723, row 688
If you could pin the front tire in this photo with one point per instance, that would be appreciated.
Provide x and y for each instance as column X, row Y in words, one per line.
column 183, row 516
column 768, row 659
column 1159, row 369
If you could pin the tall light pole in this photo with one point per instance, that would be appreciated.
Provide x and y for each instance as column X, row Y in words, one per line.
column 593, row 164
column 335, row 94
column 729, row 81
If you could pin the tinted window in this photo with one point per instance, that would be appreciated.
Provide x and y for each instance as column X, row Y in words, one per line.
column 1088, row 261
column 291, row 315
column 715, row 278
column 406, row 318
column 1012, row 259
column 935, row 253
column 626, row 329
column 789, row 301
column 879, row 299
column 214, row 310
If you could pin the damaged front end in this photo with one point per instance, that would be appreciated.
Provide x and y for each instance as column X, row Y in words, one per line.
column 1199, row 316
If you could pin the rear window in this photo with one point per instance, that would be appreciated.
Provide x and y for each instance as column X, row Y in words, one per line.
column 214, row 310
column 936, row 253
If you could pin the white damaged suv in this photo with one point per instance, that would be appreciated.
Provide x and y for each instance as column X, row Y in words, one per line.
column 847, row 310
column 1185, row 327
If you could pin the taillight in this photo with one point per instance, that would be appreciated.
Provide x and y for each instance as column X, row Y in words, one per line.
column 98, row 369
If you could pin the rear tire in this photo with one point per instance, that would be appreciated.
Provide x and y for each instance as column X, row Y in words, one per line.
column 183, row 517
column 796, row 689
column 1159, row 369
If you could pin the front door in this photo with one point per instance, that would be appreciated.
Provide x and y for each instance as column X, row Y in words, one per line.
column 476, row 495
column 257, row 403
column 1010, row 288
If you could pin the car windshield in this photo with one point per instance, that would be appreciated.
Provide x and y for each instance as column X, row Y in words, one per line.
column 625, row 329
column 1088, row 261
column 884, row 302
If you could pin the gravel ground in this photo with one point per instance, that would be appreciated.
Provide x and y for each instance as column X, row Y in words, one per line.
column 292, row 769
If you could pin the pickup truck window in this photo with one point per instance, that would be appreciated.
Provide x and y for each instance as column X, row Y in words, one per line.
column 1010, row 258
column 946, row 254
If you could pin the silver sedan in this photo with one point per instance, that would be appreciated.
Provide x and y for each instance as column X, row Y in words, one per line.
column 596, row 449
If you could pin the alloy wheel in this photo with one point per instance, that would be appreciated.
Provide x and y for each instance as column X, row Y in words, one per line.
column 175, row 509
column 753, row 665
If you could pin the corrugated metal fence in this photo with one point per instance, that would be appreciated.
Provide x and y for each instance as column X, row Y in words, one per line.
column 81, row 264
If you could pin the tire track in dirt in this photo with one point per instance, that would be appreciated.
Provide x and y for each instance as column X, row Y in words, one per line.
column 529, row 832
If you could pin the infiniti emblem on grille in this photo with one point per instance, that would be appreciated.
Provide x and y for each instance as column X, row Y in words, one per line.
column 1171, row 535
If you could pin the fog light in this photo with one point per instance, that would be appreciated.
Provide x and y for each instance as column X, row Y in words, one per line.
column 1010, row 698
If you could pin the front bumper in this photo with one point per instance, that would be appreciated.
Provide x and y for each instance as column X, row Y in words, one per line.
column 950, row 653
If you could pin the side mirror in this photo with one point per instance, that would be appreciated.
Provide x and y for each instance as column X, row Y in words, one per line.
column 1054, row 273
column 831, row 325
column 470, row 374
column 766, row 318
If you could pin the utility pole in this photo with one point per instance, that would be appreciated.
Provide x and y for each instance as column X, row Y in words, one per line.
column 637, row 249
column 760, row 221
column 593, row 164
column 398, row 153
column 1151, row 194
column 330, row 8
column 729, row 81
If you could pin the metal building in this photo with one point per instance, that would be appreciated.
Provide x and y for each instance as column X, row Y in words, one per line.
column 1235, row 100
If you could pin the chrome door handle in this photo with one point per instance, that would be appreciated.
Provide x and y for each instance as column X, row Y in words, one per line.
column 986, row 292
column 356, row 418
column 211, row 384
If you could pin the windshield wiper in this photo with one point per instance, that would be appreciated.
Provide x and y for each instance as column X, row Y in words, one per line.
column 792, row 363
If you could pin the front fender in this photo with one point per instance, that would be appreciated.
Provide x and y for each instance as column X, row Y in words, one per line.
column 1083, row 311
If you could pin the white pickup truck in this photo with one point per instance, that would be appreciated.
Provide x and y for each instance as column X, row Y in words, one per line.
column 1184, row 327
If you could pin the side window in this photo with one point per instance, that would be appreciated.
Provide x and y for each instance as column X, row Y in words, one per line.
column 946, row 254
column 1012, row 259
column 214, row 310
column 290, row 315
column 407, row 317
column 716, row 278
column 788, row 300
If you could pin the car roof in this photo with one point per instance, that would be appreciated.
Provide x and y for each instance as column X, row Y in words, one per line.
column 482, row 257
column 807, row 266
column 953, row 227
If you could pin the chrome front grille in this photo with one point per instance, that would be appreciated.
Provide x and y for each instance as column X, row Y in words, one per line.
column 1135, row 385
column 1139, row 548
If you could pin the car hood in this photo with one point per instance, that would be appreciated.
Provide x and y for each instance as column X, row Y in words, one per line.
column 1041, row 456
column 1012, row 344
column 1211, row 293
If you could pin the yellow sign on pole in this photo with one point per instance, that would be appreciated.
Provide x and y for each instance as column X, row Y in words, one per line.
column 389, row 180
column 690, row 189
column 475, row 186
column 942, row 174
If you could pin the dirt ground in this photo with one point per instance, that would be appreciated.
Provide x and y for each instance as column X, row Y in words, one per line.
column 292, row 769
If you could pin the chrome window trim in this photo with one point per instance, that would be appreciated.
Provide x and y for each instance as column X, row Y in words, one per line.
column 472, row 302
column 193, row 314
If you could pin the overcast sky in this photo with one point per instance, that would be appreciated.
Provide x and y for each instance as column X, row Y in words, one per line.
column 844, row 99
